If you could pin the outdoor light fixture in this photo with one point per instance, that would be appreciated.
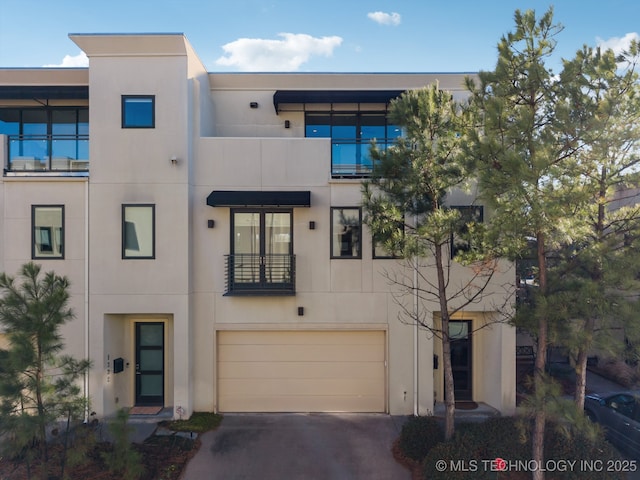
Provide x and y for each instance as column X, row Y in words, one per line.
column 312, row 225
column 211, row 223
column 300, row 311
column 253, row 104
column 174, row 160
column 287, row 124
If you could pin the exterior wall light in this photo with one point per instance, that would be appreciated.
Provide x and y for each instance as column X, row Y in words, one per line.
column 253, row 104
column 300, row 311
column 174, row 160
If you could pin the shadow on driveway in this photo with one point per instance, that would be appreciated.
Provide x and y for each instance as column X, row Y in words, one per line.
column 299, row 446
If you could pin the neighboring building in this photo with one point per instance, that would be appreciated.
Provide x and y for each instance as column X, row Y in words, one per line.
column 210, row 224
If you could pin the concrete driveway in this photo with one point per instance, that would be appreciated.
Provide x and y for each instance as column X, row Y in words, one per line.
column 299, row 446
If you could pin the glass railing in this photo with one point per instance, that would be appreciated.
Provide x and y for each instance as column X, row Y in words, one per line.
column 351, row 158
column 41, row 153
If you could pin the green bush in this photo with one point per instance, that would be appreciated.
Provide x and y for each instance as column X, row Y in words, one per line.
column 469, row 454
column 419, row 435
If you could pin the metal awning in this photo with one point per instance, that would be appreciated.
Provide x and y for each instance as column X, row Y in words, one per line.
column 334, row 96
column 253, row 198
column 57, row 92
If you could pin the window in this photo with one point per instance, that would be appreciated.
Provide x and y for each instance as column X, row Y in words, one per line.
column 459, row 240
column 351, row 134
column 346, row 232
column 380, row 252
column 138, row 231
column 138, row 111
column 47, row 231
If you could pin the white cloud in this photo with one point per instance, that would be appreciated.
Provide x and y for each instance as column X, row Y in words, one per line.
column 285, row 55
column 69, row 61
column 618, row 45
column 385, row 18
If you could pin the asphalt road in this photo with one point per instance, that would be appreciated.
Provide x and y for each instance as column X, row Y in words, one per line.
column 299, row 446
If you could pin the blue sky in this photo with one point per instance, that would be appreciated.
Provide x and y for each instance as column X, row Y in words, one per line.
column 310, row 36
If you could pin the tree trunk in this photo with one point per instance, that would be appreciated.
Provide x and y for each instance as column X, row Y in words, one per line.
column 581, row 379
column 449, row 393
column 540, row 418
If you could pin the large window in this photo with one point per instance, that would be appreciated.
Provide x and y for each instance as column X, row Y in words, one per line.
column 351, row 134
column 47, row 231
column 138, row 231
column 46, row 138
column 138, row 111
column 346, row 232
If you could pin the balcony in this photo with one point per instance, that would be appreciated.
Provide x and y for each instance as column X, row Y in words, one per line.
column 350, row 158
column 38, row 154
column 260, row 275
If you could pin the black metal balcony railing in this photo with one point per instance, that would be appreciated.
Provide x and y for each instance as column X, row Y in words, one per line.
column 254, row 274
column 351, row 158
column 41, row 153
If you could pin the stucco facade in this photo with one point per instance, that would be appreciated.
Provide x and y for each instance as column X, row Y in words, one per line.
column 325, row 336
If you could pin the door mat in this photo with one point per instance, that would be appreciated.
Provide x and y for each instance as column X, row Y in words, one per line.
column 466, row 405
column 145, row 410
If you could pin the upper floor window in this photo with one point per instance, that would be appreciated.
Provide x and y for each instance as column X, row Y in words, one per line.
column 138, row 231
column 138, row 111
column 346, row 232
column 351, row 134
column 47, row 237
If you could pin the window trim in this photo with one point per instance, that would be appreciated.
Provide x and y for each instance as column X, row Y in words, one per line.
column 34, row 254
column 331, row 253
column 124, row 99
column 153, row 231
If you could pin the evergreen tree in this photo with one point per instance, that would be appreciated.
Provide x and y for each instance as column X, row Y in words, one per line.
column 524, row 154
column 38, row 384
column 598, row 263
column 404, row 203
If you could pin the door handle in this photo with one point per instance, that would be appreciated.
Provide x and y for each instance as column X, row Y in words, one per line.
column 137, row 369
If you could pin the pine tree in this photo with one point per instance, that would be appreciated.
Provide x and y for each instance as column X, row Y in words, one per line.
column 405, row 208
column 38, row 384
column 599, row 258
column 524, row 154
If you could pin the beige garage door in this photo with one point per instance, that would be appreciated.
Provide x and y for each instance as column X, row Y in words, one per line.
column 301, row 371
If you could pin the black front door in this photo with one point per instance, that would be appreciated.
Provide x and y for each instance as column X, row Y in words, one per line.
column 460, row 336
column 150, row 363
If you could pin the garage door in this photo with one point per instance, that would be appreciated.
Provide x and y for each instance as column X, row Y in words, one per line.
column 301, row 371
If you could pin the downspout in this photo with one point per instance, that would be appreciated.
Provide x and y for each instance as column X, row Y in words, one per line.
column 415, row 337
column 86, row 297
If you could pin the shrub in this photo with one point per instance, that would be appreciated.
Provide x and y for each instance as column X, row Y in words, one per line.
column 474, row 445
column 419, row 435
column 122, row 459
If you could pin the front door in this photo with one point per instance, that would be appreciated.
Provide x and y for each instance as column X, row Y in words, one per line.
column 460, row 337
column 150, row 363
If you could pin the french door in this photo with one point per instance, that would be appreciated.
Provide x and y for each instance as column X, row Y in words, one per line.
column 261, row 248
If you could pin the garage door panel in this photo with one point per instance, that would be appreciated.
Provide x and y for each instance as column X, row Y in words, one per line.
column 301, row 371
column 292, row 404
column 299, row 338
column 294, row 353
column 291, row 370
column 301, row 386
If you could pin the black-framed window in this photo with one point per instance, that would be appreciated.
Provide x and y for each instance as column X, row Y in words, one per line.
column 346, row 232
column 459, row 239
column 138, row 231
column 378, row 250
column 138, row 111
column 47, row 232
